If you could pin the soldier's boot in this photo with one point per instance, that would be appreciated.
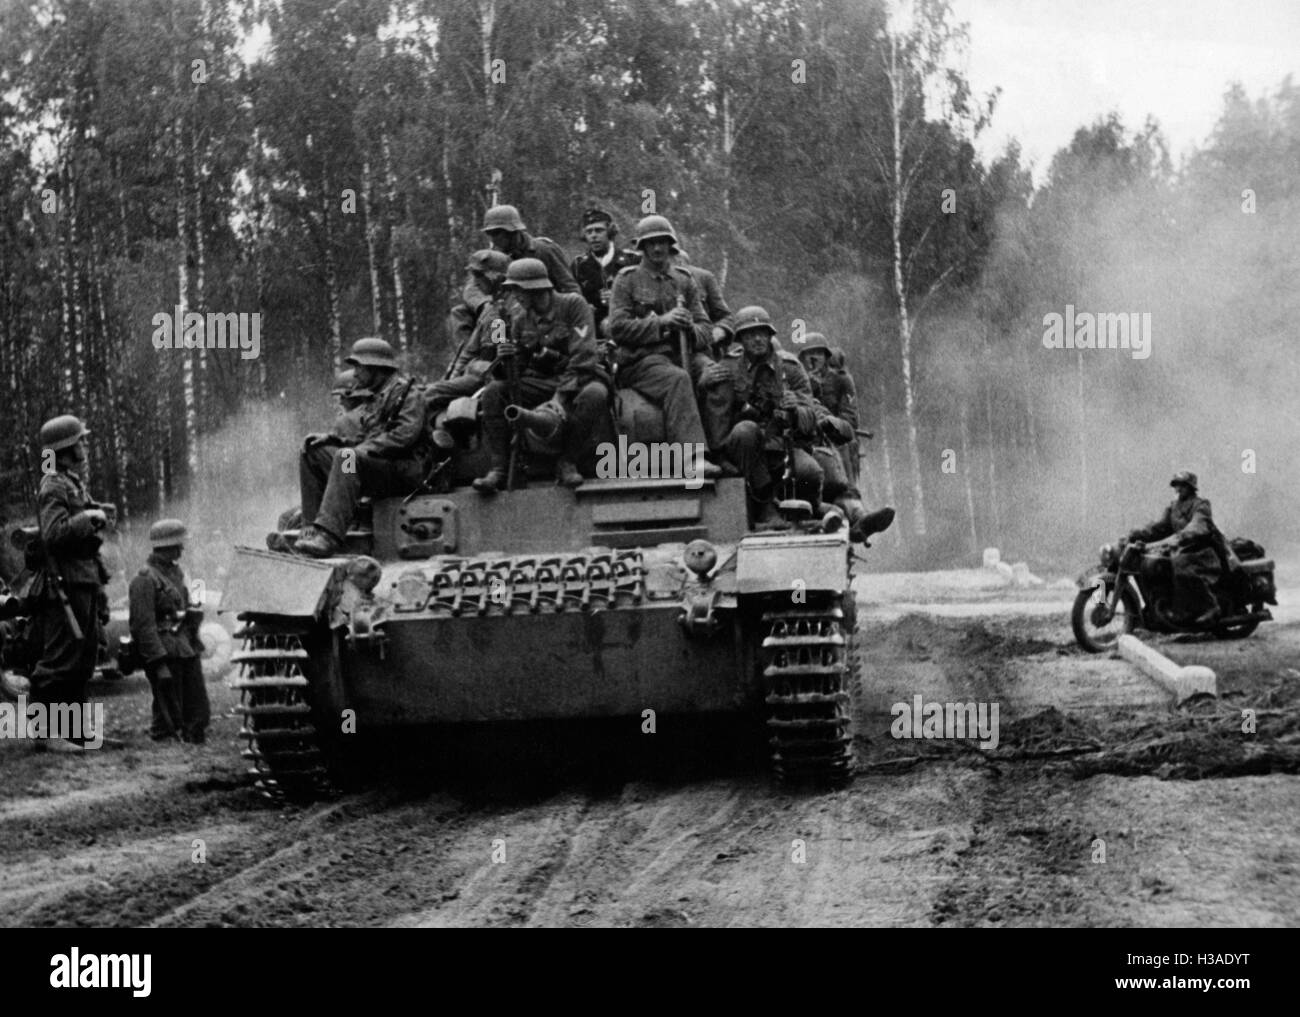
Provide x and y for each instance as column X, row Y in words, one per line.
column 318, row 543
column 862, row 524
column 567, row 474
column 492, row 481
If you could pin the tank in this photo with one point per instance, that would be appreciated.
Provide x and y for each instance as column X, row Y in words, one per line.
column 548, row 604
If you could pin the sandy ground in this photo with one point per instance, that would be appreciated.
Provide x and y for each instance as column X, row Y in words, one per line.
column 927, row 834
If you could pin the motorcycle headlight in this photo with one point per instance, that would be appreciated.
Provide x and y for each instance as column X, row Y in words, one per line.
column 1107, row 550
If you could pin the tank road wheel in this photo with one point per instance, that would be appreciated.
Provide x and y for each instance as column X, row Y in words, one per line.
column 806, row 659
column 284, row 745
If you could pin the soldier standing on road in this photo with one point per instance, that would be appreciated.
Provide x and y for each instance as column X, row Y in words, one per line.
column 165, row 630
column 595, row 270
column 505, row 229
column 71, row 528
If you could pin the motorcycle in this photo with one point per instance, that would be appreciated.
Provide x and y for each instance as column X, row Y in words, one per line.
column 1132, row 587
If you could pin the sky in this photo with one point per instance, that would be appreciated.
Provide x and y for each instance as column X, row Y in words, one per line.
column 1064, row 63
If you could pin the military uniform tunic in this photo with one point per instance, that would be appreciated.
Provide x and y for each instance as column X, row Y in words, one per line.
column 66, row 663
column 165, row 634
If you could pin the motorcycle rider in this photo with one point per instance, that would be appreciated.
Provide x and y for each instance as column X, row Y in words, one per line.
column 1188, row 526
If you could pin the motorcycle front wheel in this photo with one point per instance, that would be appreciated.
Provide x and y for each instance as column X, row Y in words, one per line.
column 1093, row 630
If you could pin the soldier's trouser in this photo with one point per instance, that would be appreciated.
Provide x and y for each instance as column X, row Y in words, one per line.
column 836, row 485
column 332, row 483
column 584, row 412
column 66, row 665
column 746, row 447
column 668, row 387
column 439, row 395
column 180, row 704
column 715, row 402
column 1192, row 593
column 851, row 456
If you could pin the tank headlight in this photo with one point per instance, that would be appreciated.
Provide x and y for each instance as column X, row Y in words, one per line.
column 700, row 556
column 364, row 573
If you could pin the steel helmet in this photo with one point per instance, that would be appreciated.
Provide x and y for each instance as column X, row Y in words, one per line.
column 167, row 533
column 502, row 217
column 653, row 226
column 372, row 352
column 815, row 341
column 528, row 274
column 488, row 260
column 1184, row 477
column 753, row 317
column 62, row 432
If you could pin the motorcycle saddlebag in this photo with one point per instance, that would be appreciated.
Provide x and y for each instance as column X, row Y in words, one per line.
column 1246, row 550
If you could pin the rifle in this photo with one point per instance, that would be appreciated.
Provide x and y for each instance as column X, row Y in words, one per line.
column 683, row 343
column 512, row 380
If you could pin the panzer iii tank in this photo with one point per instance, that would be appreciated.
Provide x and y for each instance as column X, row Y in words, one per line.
column 548, row 604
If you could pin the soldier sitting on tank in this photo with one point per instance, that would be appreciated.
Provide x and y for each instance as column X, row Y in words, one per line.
column 476, row 349
column 552, row 342
column 837, row 488
column 348, row 420
column 392, row 457
column 596, row 268
column 833, row 387
column 655, row 308
column 505, row 230
column 772, row 402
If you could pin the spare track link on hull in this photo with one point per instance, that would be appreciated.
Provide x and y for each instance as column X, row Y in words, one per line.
column 807, row 672
column 287, row 759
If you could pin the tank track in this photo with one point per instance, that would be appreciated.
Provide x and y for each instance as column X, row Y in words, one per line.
column 807, row 660
column 288, row 762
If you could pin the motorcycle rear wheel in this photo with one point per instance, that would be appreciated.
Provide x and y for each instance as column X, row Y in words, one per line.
column 1095, row 637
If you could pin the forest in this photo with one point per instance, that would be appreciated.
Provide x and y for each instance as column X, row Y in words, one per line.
column 325, row 165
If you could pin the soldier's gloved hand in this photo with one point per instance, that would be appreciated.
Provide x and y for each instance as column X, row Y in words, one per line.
column 506, row 349
column 312, row 440
column 97, row 518
column 678, row 317
column 714, row 374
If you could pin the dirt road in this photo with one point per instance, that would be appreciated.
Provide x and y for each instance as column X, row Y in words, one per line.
column 1091, row 764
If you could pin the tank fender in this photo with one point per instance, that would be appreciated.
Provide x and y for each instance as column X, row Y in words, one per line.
column 268, row 583
column 779, row 563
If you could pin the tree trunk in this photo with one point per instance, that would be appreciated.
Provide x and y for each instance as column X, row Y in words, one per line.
column 371, row 228
column 966, row 472
column 331, row 268
column 995, row 512
column 900, row 289
column 886, row 459
column 390, row 212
